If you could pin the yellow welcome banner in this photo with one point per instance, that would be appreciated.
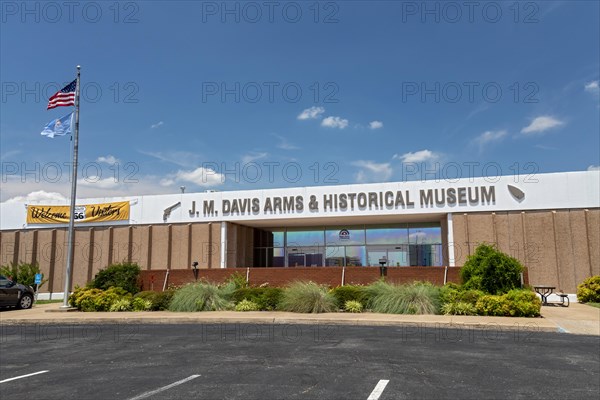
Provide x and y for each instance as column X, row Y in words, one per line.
column 39, row 214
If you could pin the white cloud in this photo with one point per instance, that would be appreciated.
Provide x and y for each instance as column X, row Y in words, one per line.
column 311, row 113
column 541, row 124
column 200, row 176
column 59, row 191
column 184, row 159
column 489, row 137
column 9, row 154
column 375, row 125
column 372, row 171
column 592, row 87
column 248, row 158
column 594, row 168
column 417, row 156
column 98, row 182
column 334, row 122
column 157, row 125
column 39, row 197
column 284, row 144
column 109, row 159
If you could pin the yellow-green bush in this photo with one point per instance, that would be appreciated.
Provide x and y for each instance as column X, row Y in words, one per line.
column 92, row 299
column 589, row 290
column 515, row 303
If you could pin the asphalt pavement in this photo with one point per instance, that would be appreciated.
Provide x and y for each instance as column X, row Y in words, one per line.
column 293, row 361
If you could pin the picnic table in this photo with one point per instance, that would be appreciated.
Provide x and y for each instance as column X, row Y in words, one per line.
column 547, row 290
column 544, row 291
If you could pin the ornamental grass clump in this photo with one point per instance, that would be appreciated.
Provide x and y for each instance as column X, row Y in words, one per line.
column 203, row 296
column 415, row 298
column 307, row 297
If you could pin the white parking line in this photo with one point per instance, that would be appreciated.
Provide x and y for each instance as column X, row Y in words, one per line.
column 162, row 389
column 378, row 389
column 22, row 376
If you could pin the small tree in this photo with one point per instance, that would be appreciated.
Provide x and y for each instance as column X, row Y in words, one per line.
column 491, row 271
column 124, row 275
column 23, row 273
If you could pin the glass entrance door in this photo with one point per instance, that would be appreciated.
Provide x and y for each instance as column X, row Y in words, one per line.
column 305, row 257
column 396, row 256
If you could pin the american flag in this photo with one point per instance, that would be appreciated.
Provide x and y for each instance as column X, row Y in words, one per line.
column 64, row 97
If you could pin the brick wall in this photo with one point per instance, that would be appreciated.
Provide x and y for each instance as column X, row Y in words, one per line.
column 332, row 276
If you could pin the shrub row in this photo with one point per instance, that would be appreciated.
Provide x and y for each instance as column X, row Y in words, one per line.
column 515, row 303
column 112, row 299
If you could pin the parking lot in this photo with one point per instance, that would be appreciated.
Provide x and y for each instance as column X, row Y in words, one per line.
column 286, row 361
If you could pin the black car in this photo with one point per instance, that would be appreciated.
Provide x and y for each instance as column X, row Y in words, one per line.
column 13, row 294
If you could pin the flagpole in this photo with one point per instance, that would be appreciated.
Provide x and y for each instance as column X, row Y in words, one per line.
column 69, row 266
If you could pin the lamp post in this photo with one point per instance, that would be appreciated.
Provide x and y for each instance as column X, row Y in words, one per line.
column 195, row 267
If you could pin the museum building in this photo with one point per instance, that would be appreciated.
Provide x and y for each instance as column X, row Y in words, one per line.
column 550, row 222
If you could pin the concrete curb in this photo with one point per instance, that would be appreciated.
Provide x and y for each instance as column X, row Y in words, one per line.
column 579, row 319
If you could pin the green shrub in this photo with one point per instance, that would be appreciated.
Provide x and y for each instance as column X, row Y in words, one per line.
column 238, row 280
column 92, row 299
column 203, row 296
column 307, row 297
column 459, row 308
column 589, row 290
column 523, row 303
column 124, row 275
column 491, row 271
column 449, row 293
column 516, row 303
column 141, row 304
column 159, row 300
column 492, row 305
column 120, row 305
column 345, row 293
column 353, row 306
column 23, row 273
column 415, row 298
column 84, row 298
column 246, row 305
column 267, row 298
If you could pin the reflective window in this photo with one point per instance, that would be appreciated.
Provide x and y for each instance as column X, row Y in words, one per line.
column 278, row 238
column 425, row 235
column 387, row 235
column 400, row 245
column 345, row 236
column 334, row 256
column 305, row 256
column 278, row 257
column 305, row 238
column 356, row 256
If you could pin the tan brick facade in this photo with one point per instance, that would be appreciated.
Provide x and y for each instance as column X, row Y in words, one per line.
column 558, row 248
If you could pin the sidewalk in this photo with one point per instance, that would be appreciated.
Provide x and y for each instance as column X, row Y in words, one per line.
column 576, row 319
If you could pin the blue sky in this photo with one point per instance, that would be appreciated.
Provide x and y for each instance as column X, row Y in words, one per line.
column 252, row 96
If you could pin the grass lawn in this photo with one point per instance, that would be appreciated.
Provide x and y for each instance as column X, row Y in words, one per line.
column 597, row 305
column 48, row 301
